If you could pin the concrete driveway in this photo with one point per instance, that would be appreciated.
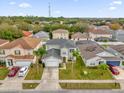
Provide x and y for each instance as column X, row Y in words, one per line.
column 13, row 83
column 121, row 75
column 50, row 80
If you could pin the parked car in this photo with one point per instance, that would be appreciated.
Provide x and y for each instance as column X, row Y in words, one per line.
column 23, row 71
column 113, row 69
column 13, row 71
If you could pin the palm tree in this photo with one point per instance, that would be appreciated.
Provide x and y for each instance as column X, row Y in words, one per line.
column 75, row 54
column 39, row 53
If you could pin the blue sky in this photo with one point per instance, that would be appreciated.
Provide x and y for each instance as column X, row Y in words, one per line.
column 66, row 8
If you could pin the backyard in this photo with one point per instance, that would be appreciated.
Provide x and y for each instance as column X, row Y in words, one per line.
column 78, row 71
column 3, row 72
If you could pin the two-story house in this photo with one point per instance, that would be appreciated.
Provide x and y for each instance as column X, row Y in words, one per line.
column 80, row 36
column 95, row 33
column 20, row 51
column 60, row 34
column 58, row 51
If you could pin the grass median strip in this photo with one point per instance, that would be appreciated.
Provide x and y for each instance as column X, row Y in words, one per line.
column 90, row 85
column 29, row 85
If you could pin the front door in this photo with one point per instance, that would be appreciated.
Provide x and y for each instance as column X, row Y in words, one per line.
column 10, row 62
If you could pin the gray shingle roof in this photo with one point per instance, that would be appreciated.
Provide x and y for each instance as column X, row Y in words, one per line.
column 62, row 43
column 52, row 52
column 42, row 34
column 89, row 49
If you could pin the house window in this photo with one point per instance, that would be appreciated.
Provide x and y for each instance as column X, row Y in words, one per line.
column 101, row 62
column 2, row 52
column 92, row 64
column 64, row 53
column 17, row 52
column 71, row 50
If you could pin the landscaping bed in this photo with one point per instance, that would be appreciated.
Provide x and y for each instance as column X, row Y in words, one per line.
column 3, row 72
column 78, row 71
column 35, row 72
column 90, row 85
column 29, row 85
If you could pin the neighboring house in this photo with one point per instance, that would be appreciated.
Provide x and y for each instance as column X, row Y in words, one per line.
column 96, row 33
column 20, row 51
column 117, row 50
column 60, row 34
column 118, row 35
column 44, row 36
column 79, row 36
column 66, row 47
column 27, row 33
column 3, row 42
column 93, row 54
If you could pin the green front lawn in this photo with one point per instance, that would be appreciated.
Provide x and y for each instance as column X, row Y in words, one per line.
column 90, row 85
column 3, row 72
column 78, row 71
column 29, row 85
column 35, row 72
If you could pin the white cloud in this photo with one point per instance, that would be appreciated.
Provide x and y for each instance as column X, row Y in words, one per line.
column 12, row 3
column 57, row 12
column 116, row 2
column 25, row 5
column 112, row 8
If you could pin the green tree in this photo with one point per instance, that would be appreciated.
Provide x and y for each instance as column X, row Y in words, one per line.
column 103, row 66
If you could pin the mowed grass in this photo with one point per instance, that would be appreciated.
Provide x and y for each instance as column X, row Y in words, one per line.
column 76, row 72
column 29, row 85
column 35, row 72
column 90, row 85
column 3, row 72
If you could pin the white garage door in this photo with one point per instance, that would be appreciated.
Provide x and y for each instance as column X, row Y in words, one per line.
column 23, row 63
column 52, row 64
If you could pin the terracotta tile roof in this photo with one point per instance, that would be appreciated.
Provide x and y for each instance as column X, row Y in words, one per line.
column 79, row 35
column 60, row 31
column 21, row 57
column 2, row 41
column 25, row 43
column 26, row 33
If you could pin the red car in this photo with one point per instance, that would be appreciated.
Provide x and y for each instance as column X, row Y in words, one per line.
column 13, row 71
column 113, row 70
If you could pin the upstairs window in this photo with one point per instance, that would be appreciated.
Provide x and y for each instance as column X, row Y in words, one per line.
column 17, row 52
column 2, row 52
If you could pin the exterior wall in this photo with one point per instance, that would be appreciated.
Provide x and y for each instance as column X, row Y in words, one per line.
column 64, row 52
column 77, row 39
column 60, row 35
column 94, row 61
column 93, row 36
column 120, row 36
